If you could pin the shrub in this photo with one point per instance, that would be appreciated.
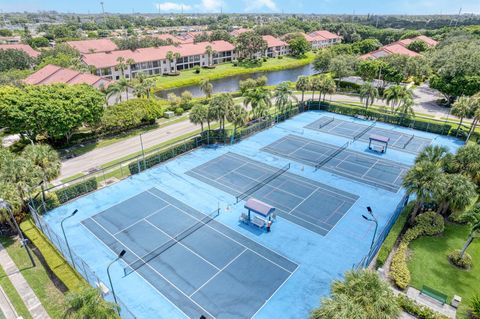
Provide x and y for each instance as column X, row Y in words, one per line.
column 398, row 269
column 196, row 69
column 392, row 237
column 419, row 311
column 465, row 262
column 280, row 57
column 235, row 63
column 179, row 111
column 51, row 201
column 265, row 59
column 474, row 304
column 70, row 192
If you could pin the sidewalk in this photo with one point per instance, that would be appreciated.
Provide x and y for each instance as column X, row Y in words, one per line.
column 6, row 306
column 26, row 293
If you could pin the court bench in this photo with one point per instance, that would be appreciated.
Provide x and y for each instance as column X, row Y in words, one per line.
column 434, row 294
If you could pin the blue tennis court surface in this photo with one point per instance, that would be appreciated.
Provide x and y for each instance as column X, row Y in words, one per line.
column 310, row 204
column 206, row 271
column 188, row 253
column 361, row 167
column 398, row 140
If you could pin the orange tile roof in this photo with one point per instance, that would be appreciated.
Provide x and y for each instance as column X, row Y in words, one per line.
column 22, row 47
column 393, row 48
column 95, row 45
column 50, row 74
column 167, row 36
column 105, row 60
column 326, row 35
column 239, row 31
column 427, row 40
column 273, row 42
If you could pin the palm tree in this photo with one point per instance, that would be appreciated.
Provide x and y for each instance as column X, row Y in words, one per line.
column 130, row 62
column 315, row 85
column 303, row 84
column 475, row 109
column 114, row 90
column 326, row 86
column 170, row 57
column 206, row 87
column 473, row 218
column 433, row 153
column 462, row 108
column 454, row 192
column 219, row 106
column 198, row 115
column 405, row 108
column 260, row 101
column 361, row 295
column 176, row 56
column 123, row 85
column 45, row 158
column 237, row 115
column 283, row 96
column 88, row 303
column 467, row 162
column 209, row 52
column 121, row 65
column 395, row 94
column 9, row 193
column 421, row 180
column 368, row 94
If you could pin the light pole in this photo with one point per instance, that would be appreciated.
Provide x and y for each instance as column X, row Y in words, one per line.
column 143, row 152
column 374, row 220
column 65, row 236
column 5, row 205
column 110, row 278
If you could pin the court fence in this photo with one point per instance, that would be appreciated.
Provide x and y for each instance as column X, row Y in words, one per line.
column 75, row 261
column 380, row 238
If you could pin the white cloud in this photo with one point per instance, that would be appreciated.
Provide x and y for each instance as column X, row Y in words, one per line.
column 172, row 7
column 211, row 5
column 256, row 5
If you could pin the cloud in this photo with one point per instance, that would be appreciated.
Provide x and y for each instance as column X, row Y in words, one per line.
column 256, row 5
column 211, row 5
column 172, row 7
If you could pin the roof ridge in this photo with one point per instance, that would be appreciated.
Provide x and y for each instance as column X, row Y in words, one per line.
column 50, row 75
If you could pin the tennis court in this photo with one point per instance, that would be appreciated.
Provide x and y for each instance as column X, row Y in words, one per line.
column 198, row 264
column 356, row 131
column 310, row 204
column 360, row 167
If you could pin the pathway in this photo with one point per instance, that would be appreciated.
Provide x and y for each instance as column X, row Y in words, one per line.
column 34, row 305
column 6, row 307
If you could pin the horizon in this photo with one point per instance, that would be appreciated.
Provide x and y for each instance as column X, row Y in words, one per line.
column 287, row 7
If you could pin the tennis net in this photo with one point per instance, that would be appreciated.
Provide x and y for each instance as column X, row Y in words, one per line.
column 408, row 142
column 170, row 243
column 264, row 182
column 326, row 122
column 364, row 131
column 329, row 157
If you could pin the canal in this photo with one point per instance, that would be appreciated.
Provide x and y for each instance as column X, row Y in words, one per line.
column 231, row 84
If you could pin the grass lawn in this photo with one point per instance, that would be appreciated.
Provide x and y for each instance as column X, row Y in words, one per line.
column 38, row 279
column 429, row 265
column 13, row 295
column 189, row 77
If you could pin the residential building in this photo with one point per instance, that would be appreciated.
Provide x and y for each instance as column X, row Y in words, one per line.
column 22, row 47
column 399, row 47
column 153, row 61
column 239, row 31
column 275, row 47
column 322, row 38
column 10, row 40
column 93, row 46
column 427, row 40
column 50, row 74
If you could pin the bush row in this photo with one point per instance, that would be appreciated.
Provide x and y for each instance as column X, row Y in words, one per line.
column 415, row 123
column 419, row 311
column 70, row 192
column 392, row 237
column 426, row 224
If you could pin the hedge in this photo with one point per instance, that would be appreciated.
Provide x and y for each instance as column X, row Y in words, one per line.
column 415, row 123
column 426, row 224
column 70, row 192
column 419, row 311
column 392, row 237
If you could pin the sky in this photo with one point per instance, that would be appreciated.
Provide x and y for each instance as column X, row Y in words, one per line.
column 248, row 6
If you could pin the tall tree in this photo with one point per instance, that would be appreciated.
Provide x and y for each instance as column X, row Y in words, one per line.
column 368, row 94
column 435, row 154
column 209, row 51
column 207, row 88
column 361, row 295
column 260, row 101
column 237, row 115
column 303, row 84
column 124, row 86
column 219, row 106
column 473, row 219
column 299, row 46
column 283, row 96
column 249, row 44
column 475, row 109
column 395, row 95
column 326, row 86
column 198, row 115
column 45, row 158
column 121, row 65
column 462, row 108
column 11, row 59
column 130, row 62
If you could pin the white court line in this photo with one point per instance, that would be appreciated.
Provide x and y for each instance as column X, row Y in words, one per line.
column 181, row 244
column 156, row 271
column 232, row 239
column 220, row 270
column 148, row 282
column 138, row 221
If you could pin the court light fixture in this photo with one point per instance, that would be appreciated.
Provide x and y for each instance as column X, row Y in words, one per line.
column 372, row 219
column 120, row 255
column 65, row 236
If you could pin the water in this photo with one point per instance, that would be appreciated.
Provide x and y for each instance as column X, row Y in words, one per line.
column 231, row 84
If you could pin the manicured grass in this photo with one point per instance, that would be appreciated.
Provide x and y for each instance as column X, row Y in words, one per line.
column 429, row 265
column 13, row 296
column 49, row 295
column 189, row 77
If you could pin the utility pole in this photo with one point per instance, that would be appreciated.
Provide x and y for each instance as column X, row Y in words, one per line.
column 103, row 12
column 458, row 17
